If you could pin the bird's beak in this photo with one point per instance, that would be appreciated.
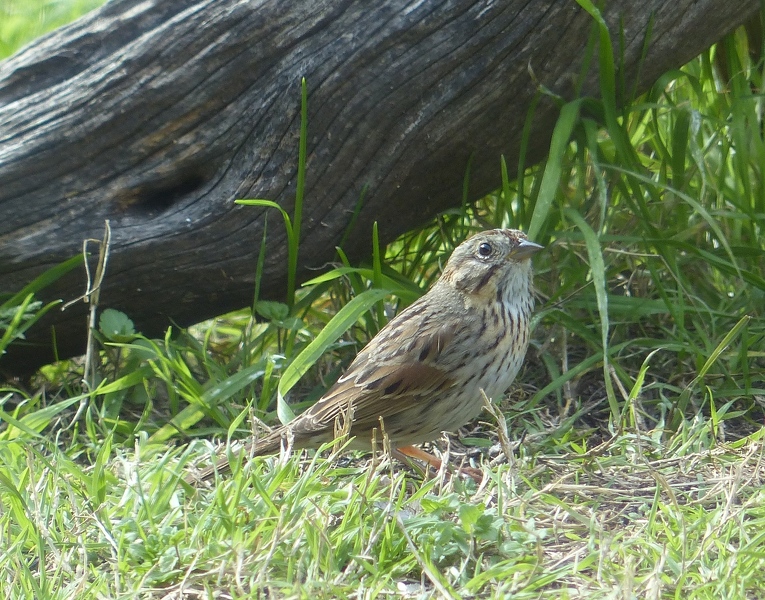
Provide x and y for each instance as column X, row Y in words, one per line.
column 524, row 249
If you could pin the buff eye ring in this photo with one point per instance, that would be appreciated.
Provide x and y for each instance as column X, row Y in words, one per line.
column 484, row 250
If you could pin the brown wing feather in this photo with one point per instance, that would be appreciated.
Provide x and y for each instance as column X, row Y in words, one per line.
column 385, row 397
column 397, row 370
column 373, row 389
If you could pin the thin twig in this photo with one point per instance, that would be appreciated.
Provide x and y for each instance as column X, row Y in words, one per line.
column 91, row 296
column 499, row 418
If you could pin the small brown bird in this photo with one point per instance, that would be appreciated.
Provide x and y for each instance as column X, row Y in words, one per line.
column 424, row 371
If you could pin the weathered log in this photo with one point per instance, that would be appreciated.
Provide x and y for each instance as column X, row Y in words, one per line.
column 157, row 114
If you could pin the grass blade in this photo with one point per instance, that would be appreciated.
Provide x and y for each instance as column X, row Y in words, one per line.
column 339, row 324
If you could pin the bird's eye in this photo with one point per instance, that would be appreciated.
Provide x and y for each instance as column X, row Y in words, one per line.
column 484, row 249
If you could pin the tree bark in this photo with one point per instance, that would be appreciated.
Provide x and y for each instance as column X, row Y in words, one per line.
column 158, row 114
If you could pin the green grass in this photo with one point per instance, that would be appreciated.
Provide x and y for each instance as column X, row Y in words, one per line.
column 632, row 464
column 23, row 20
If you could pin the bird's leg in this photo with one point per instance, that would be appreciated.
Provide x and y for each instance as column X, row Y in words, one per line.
column 404, row 452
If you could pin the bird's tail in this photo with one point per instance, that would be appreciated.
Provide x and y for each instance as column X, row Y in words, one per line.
column 269, row 444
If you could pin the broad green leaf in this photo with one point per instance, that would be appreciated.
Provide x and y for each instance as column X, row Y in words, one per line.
column 115, row 326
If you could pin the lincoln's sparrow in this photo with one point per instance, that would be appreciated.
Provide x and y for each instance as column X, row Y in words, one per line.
column 424, row 371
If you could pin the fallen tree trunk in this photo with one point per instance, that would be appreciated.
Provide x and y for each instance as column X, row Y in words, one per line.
column 158, row 114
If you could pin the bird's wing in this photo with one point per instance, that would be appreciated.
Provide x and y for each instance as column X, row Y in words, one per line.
column 383, row 382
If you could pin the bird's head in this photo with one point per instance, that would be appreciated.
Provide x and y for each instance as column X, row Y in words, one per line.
column 491, row 261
